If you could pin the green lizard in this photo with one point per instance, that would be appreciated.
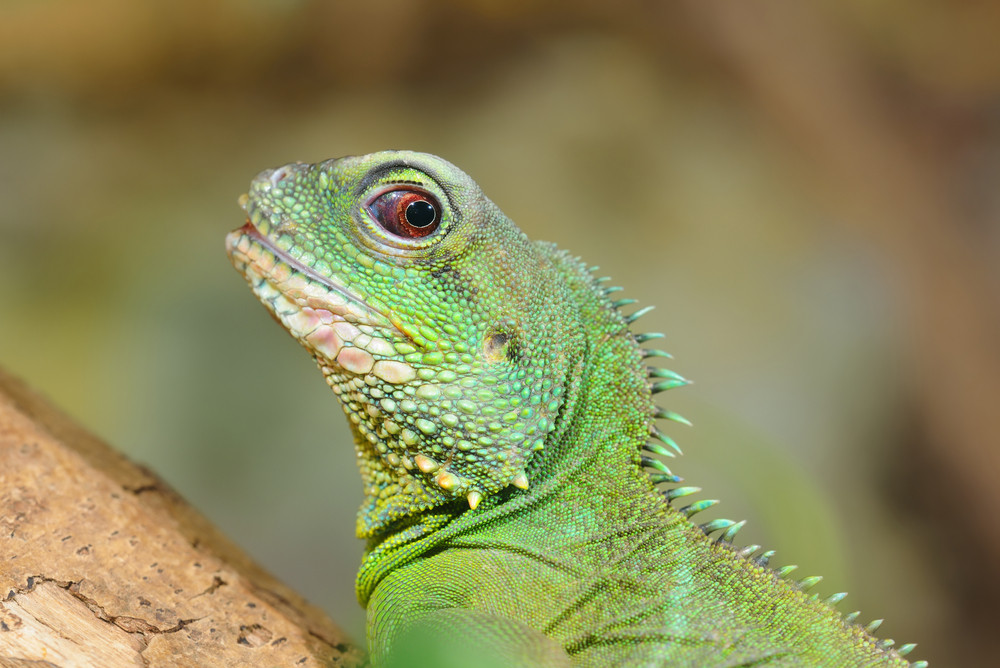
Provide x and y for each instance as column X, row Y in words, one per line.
column 503, row 419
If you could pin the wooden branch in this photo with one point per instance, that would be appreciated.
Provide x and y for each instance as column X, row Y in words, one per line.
column 102, row 564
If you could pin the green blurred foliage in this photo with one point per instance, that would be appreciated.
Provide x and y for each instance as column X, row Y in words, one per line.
column 629, row 135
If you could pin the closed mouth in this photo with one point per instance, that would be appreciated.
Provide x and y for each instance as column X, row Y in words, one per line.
column 244, row 257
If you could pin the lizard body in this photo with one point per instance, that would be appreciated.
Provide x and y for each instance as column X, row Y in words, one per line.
column 504, row 422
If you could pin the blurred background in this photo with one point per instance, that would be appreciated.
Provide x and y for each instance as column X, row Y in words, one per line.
column 807, row 191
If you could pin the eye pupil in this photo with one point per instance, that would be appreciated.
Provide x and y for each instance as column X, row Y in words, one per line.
column 420, row 213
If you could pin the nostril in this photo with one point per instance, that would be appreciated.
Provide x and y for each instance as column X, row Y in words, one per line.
column 278, row 175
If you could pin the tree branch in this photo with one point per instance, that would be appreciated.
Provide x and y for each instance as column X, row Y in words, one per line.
column 103, row 564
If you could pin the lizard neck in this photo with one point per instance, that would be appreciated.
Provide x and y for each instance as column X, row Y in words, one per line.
column 607, row 416
column 608, row 411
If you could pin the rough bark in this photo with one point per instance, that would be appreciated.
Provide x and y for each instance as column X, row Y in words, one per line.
column 102, row 564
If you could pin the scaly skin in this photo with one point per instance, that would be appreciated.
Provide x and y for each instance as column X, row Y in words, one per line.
column 501, row 407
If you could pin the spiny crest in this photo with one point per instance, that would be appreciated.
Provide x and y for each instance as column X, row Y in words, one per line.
column 660, row 380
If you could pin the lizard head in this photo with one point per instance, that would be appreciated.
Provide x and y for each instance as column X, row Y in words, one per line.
column 445, row 333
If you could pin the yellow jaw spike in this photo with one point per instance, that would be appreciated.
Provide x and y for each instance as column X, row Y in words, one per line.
column 446, row 481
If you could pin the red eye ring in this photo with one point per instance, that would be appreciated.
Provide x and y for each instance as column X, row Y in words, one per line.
column 409, row 214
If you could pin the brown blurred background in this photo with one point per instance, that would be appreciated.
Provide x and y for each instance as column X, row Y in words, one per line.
column 806, row 190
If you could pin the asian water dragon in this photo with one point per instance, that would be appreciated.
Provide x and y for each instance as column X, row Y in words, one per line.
column 504, row 424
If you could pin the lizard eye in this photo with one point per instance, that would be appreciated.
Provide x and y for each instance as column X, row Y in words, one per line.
column 410, row 214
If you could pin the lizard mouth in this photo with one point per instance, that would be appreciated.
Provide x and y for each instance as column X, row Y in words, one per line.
column 303, row 300
column 280, row 256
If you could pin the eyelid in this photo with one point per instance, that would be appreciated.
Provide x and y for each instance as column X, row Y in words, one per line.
column 399, row 185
